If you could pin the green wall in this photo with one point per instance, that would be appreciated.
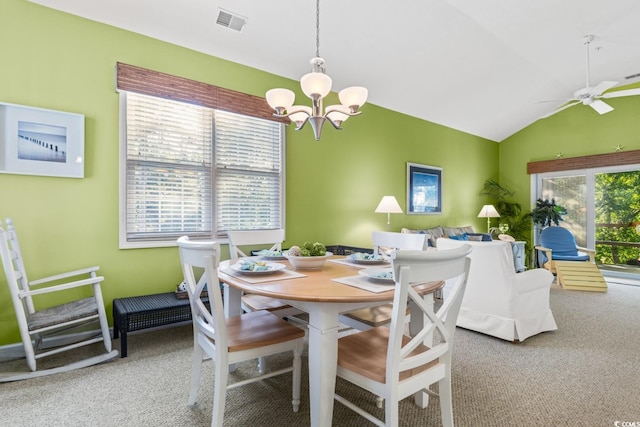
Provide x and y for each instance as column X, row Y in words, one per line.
column 577, row 131
column 61, row 62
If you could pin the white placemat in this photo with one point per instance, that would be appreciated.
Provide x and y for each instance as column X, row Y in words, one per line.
column 260, row 278
column 363, row 283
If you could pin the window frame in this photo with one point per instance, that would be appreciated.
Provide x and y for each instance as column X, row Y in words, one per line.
column 252, row 106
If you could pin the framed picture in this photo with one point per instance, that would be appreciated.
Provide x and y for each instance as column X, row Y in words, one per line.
column 424, row 189
column 35, row 141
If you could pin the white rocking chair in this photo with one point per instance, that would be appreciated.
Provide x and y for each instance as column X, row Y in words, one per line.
column 36, row 325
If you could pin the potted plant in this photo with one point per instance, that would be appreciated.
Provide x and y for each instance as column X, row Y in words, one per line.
column 547, row 213
column 513, row 220
column 517, row 222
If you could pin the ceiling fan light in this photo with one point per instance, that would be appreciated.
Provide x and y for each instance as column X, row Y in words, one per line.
column 280, row 99
column 316, row 83
column 353, row 97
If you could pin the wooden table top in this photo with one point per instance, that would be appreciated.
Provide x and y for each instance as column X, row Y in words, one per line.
column 317, row 286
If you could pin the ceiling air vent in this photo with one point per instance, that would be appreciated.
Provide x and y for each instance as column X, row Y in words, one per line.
column 230, row 20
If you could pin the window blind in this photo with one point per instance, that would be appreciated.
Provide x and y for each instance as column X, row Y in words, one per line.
column 169, row 175
column 248, row 171
column 194, row 170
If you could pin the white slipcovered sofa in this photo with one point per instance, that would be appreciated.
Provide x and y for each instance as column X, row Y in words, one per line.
column 498, row 301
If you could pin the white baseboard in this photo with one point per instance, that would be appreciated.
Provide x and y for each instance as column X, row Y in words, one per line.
column 16, row 350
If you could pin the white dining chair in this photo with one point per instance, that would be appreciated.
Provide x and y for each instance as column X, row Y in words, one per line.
column 250, row 238
column 392, row 365
column 384, row 242
column 232, row 340
column 253, row 302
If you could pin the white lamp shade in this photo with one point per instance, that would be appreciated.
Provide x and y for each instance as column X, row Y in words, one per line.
column 301, row 113
column 488, row 211
column 338, row 113
column 355, row 95
column 388, row 204
column 279, row 97
column 316, row 84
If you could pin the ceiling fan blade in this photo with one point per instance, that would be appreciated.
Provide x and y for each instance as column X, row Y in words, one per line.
column 619, row 93
column 556, row 100
column 601, row 87
column 564, row 107
column 600, row 107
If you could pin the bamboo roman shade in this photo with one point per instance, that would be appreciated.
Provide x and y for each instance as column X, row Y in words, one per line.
column 154, row 83
column 585, row 162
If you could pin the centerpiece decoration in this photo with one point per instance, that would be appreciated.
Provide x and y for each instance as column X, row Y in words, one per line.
column 309, row 255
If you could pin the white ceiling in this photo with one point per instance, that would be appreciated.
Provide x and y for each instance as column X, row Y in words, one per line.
column 479, row 66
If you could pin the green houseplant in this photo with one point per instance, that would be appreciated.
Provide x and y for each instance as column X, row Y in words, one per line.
column 518, row 222
column 547, row 213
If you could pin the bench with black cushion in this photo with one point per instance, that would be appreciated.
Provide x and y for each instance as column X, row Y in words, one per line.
column 147, row 311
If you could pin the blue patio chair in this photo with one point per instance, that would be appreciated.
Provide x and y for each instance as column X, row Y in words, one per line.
column 558, row 244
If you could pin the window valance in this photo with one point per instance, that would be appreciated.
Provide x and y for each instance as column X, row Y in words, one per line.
column 154, row 83
column 585, row 162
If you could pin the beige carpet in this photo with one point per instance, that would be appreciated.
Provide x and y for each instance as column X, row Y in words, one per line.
column 585, row 374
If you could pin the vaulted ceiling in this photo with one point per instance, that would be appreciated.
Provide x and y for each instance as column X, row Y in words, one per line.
column 479, row 66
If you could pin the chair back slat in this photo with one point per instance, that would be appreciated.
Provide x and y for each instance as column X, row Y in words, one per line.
column 199, row 262
column 419, row 266
column 385, row 241
column 239, row 238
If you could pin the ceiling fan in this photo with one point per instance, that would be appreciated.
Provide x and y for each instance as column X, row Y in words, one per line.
column 592, row 96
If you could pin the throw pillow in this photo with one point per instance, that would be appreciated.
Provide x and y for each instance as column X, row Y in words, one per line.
column 432, row 233
column 473, row 238
column 484, row 237
column 462, row 236
column 456, row 231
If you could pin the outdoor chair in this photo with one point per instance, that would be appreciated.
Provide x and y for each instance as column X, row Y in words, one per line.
column 558, row 244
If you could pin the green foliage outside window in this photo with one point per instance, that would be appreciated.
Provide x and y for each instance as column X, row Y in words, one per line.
column 617, row 216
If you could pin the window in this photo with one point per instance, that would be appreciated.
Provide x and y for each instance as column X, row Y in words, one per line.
column 603, row 212
column 188, row 169
column 248, row 171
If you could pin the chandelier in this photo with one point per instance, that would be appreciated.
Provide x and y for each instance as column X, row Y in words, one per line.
column 316, row 85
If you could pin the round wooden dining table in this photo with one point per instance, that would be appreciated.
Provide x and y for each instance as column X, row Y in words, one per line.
column 315, row 292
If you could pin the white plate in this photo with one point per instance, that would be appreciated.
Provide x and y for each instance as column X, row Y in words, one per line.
column 270, row 255
column 273, row 257
column 372, row 274
column 368, row 261
column 379, row 260
column 272, row 268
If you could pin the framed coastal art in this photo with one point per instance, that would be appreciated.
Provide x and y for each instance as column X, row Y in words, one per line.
column 36, row 141
column 424, row 189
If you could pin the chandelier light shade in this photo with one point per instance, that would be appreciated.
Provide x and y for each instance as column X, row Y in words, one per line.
column 488, row 211
column 317, row 85
column 388, row 205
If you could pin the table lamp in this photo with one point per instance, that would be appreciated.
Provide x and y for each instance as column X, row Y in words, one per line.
column 488, row 211
column 388, row 205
